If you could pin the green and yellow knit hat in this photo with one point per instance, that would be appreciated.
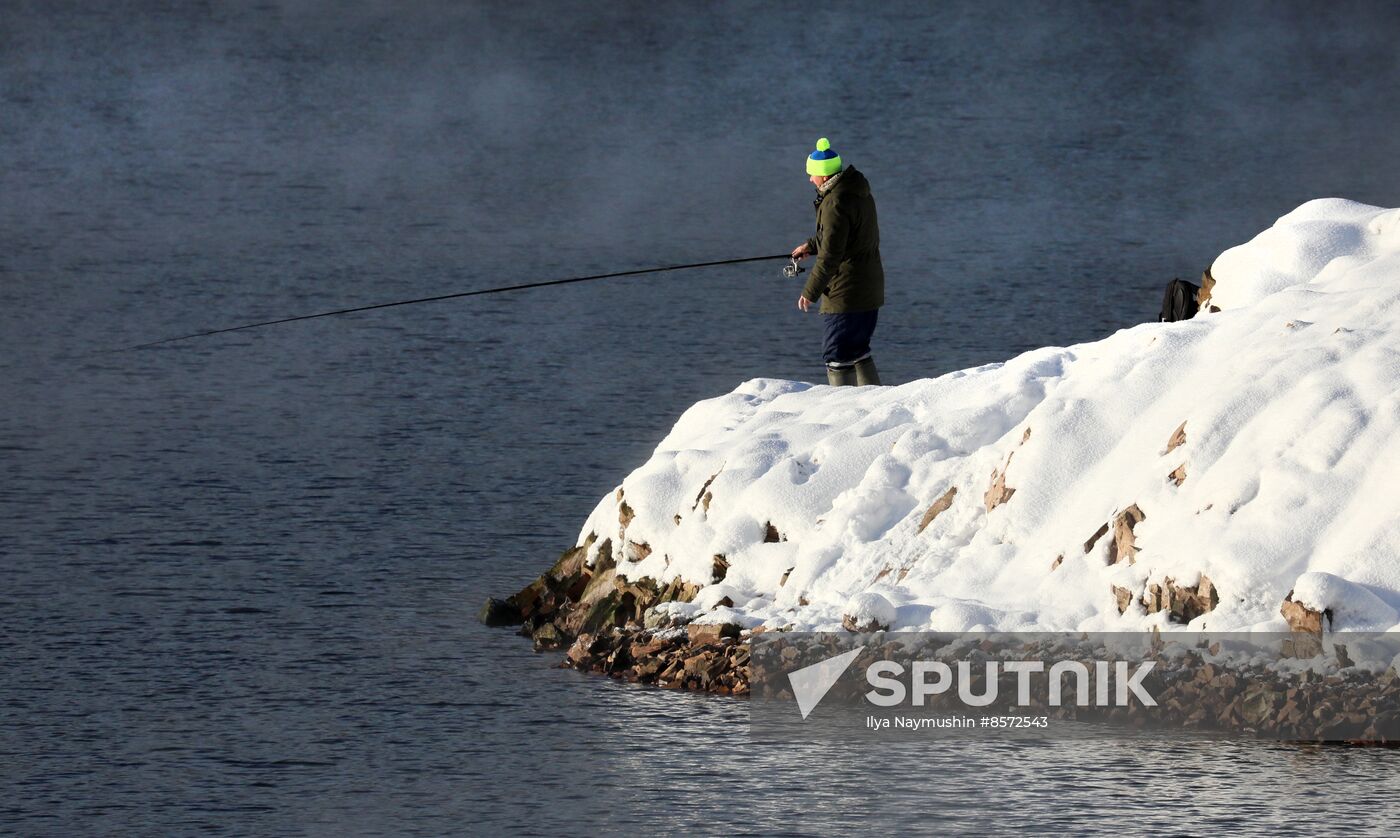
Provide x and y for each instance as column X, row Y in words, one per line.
column 823, row 161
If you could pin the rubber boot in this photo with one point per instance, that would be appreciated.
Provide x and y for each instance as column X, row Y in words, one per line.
column 840, row 376
column 865, row 372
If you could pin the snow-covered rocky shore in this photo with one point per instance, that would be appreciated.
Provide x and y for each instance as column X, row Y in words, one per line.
column 1233, row 472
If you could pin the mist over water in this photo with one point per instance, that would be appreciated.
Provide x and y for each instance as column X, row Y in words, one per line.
column 240, row 574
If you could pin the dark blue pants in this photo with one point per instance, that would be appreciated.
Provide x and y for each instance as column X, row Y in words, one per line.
column 848, row 337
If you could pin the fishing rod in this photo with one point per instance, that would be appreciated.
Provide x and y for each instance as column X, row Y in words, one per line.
column 789, row 270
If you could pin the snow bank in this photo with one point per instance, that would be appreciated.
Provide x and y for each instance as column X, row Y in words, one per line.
column 1074, row 488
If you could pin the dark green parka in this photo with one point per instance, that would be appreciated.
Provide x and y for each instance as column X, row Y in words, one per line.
column 847, row 245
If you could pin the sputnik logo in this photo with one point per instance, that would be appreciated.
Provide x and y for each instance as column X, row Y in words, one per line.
column 811, row 683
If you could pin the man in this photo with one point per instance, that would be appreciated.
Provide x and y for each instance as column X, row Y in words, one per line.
column 848, row 272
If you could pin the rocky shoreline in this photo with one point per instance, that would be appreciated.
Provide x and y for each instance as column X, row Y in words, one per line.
column 609, row 626
column 612, row 626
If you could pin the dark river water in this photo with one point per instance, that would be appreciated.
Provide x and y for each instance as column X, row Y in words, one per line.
column 240, row 574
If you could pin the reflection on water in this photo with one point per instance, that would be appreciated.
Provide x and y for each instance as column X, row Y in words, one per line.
column 240, row 573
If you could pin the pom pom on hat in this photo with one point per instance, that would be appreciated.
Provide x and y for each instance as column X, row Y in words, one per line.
column 824, row 161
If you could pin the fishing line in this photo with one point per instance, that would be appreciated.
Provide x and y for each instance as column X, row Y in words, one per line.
column 457, row 295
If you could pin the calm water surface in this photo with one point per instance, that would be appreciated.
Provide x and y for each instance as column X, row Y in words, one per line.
column 240, row 574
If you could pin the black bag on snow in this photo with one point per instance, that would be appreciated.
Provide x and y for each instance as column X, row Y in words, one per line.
column 1179, row 302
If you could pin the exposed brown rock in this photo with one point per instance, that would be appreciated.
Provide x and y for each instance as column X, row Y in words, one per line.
column 636, row 551
column 625, row 514
column 1182, row 603
column 939, row 507
column 771, row 534
column 1124, row 598
column 999, row 493
column 1178, row 438
column 575, row 598
column 1094, row 539
column 567, row 579
column 711, row 631
column 547, row 636
column 678, row 590
column 1302, row 619
column 1059, row 560
column 786, row 574
column 849, row 624
column 1190, row 690
column 1178, row 475
column 1123, row 548
column 578, row 652
column 719, row 568
column 1027, row 435
column 703, row 496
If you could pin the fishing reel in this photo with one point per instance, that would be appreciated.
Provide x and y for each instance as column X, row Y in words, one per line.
column 792, row 270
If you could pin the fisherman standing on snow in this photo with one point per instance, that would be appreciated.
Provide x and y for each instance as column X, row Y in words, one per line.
column 848, row 270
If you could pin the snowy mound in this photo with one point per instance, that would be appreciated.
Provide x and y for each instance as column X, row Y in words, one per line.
column 1171, row 474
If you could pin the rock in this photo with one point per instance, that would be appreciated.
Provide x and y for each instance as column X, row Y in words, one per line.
column 1258, row 703
column 586, row 615
column 771, row 534
column 704, row 496
column 647, row 670
column 1178, row 439
column 1123, row 548
column 720, row 567
column 699, row 663
column 1094, row 539
column 1123, row 597
column 1348, row 605
column 1178, row 475
column 866, row 612
column 1302, row 619
column 499, row 612
column 1059, row 560
column 664, row 616
column 578, row 654
column 564, row 582
column 708, row 632
column 941, row 505
column 999, row 493
column 1182, row 604
column 624, row 513
column 678, row 590
column 548, row 636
